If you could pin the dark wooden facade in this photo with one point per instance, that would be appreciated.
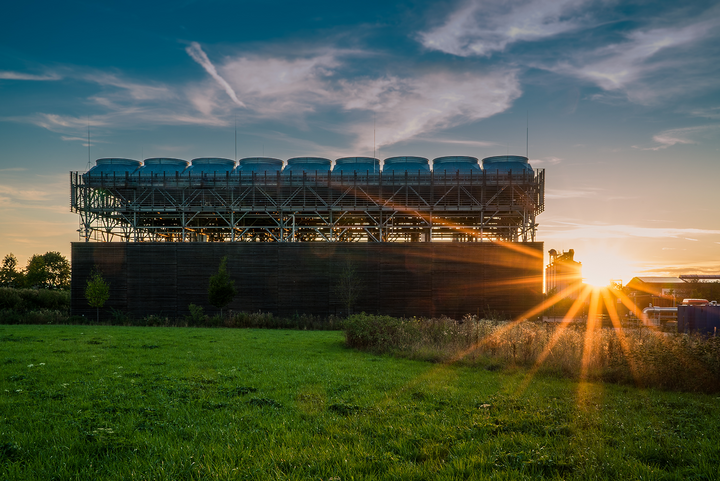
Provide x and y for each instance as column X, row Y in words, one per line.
column 399, row 279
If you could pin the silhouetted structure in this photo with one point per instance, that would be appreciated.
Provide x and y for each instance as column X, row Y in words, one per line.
column 563, row 272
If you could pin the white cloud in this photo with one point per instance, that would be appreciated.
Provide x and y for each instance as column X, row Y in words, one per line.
column 480, row 28
column 404, row 106
column 8, row 75
column 197, row 54
column 410, row 107
column 283, row 87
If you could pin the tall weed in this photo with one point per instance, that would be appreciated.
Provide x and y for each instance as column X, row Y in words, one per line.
column 638, row 356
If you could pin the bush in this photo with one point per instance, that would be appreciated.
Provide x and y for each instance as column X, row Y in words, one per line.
column 24, row 300
column 196, row 317
column 9, row 298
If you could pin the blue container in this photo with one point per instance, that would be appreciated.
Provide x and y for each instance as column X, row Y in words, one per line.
column 259, row 166
column 400, row 165
column 699, row 319
column 454, row 164
column 109, row 168
column 159, row 167
column 502, row 164
column 309, row 165
column 210, row 167
column 360, row 165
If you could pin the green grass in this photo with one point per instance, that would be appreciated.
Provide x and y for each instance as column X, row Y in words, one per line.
column 100, row 402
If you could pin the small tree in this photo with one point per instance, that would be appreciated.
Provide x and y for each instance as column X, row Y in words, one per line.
column 349, row 286
column 97, row 292
column 9, row 275
column 221, row 290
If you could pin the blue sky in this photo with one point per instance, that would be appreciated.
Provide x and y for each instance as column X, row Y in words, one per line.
column 622, row 101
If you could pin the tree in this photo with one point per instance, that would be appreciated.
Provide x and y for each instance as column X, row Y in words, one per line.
column 9, row 275
column 221, row 290
column 349, row 286
column 48, row 271
column 97, row 292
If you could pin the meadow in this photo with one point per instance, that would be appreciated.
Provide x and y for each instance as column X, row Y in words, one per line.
column 109, row 402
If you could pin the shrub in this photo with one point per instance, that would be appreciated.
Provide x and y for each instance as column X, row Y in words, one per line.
column 24, row 300
column 196, row 317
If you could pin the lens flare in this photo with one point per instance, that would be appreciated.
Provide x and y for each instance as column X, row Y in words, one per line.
column 601, row 267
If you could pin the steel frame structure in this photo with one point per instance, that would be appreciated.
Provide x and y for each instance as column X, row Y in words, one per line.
column 419, row 207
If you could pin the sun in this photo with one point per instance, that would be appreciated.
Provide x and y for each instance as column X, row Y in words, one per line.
column 599, row 268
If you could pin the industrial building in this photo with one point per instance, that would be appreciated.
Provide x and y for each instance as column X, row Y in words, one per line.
column 563, row 272
column 356, row 200
column 658, row 291
column 451, row 236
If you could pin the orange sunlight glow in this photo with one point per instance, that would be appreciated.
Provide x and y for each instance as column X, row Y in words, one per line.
column 601, row 266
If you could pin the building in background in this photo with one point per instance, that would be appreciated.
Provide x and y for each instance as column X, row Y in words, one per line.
column 658, row 291
column 563, row 272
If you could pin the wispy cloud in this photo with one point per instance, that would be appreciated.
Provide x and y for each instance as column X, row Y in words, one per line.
column 405, row 106
column 14, row 194
column 546, row 161
column 709, row 268
column 409, row 107
column 574, row 230
column 480, row 28
column 8, row 75
column 571, row 193
column 469, row 143
column 709, row 112
column 197, row 54
column 645, row 64
column 687, row 135
column 619, row 64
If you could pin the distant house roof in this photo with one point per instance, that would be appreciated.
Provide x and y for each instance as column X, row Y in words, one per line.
column 657, row 285
column 659, row 280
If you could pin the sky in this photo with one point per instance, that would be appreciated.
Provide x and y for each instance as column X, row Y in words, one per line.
column 620, row 102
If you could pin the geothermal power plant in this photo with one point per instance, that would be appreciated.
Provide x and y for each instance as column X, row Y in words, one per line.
column 411, row 237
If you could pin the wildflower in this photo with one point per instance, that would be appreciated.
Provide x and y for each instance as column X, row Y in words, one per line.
column 31, row 365
column 41, row 364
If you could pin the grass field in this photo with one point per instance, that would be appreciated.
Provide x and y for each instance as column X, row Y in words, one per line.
column 100, row 402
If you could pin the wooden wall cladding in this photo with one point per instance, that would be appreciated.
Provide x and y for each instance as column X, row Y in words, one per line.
column 399, row 279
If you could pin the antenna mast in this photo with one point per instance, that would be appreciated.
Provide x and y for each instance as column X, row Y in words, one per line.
column 236, row 137
column 527, row 134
